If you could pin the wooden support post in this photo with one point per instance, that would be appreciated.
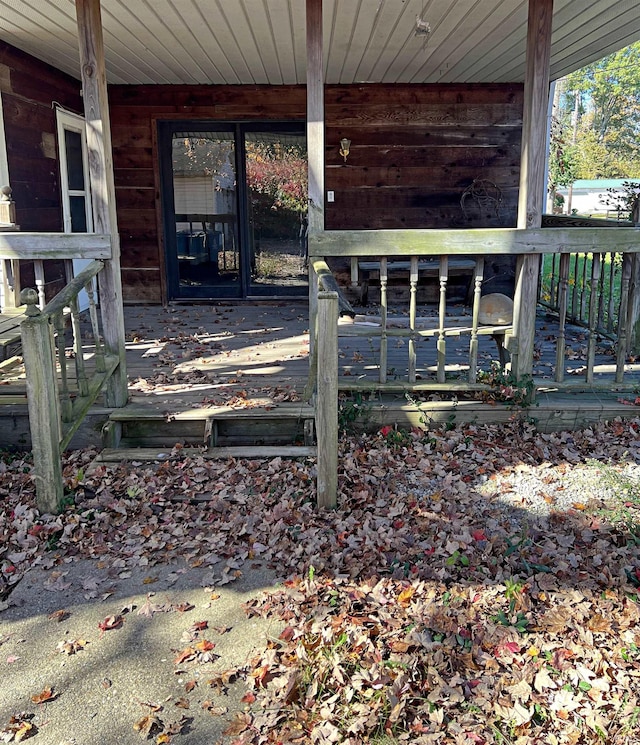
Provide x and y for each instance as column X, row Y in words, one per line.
column 44, row 407
column 315, row 115
column 313, row 309
column 327, row 400
column 96, row 111
column 531, row 195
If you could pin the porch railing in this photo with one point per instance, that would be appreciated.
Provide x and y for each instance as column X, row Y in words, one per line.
column 571, row 288
column 419, row 246
column 67, row 367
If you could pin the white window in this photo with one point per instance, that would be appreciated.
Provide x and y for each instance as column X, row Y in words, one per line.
column 4, row 163
column 74, row 171
column 73, row 157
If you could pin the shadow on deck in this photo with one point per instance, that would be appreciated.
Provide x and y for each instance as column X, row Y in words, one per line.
column 193, row 366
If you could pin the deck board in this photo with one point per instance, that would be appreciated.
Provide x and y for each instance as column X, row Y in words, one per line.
column 248, row 356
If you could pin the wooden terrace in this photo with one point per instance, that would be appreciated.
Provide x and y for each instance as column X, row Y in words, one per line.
column 190, row 365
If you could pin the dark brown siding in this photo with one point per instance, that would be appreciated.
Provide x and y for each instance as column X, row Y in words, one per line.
column 29, row 87
column 414, row 151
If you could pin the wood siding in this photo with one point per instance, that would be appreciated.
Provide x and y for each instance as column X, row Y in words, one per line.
column 29, row 87
column 415, row 149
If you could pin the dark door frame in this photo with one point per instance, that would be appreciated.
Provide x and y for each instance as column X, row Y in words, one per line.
column 165, row 130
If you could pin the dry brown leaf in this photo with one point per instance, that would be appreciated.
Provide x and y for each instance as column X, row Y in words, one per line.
column 47, row 694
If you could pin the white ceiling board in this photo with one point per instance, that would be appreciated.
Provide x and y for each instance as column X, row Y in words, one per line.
column 393, row 30
column 263, row 41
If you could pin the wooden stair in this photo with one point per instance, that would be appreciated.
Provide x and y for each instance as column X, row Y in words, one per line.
column 146, row 433
column 10, row 344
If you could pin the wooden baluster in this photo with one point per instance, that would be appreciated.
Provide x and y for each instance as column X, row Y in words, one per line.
column 442, row 310
column 473, row 344
column 38, row 270
column 413, row 300
column 574, row 293
column 383, row 319
column 601, row 295
column 355, row 279
column 584, row 284
column 65, row 396
column 553, row 284
column 625, row 284
column 563, row 290
column 95, row 329
column 81, row 373
column 596, row 268
column 611, row 307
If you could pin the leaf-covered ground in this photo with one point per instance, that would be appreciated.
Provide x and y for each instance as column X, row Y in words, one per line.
column 476, row 585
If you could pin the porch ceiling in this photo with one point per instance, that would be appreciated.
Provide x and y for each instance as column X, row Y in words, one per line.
column 263, row 41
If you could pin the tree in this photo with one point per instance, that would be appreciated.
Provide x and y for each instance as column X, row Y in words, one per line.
column 604, row 97
column 562, row 161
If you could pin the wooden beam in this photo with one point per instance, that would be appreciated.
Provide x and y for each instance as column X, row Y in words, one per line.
column 479, row 241
column 96, row 112
column 531, row 195
column 327, row 400
column 30, row 246
column 315, row 115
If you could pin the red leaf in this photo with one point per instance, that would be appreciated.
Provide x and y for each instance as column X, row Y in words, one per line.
column 199, row 626
column 186, row 654
column 111, row 622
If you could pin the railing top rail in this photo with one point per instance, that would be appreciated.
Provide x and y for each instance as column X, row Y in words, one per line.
column 478, row 241
column 28, row 246
column 580, row 221
column 73, row 289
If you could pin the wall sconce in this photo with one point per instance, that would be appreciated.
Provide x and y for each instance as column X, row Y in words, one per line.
column 345, row 144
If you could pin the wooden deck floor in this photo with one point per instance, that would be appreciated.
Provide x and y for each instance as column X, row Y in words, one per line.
column 247, row 355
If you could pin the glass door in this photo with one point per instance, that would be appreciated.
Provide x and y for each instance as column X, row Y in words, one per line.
column 276, row 178
column 234, row 201
column 201, row 222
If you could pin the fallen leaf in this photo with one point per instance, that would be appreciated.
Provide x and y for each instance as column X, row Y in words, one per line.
column 111, row 622
column 47, row 694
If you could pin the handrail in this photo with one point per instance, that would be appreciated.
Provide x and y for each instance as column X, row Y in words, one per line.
column 56, row 409
column 412, row 246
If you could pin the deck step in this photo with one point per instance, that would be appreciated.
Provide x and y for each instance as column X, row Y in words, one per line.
column 280, row 425
column 151, row 413
column 116, row 455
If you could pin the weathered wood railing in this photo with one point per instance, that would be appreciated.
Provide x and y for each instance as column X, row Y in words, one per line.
column 571, row 289
column 9, row 271
column 384, row 247
column 57, row 407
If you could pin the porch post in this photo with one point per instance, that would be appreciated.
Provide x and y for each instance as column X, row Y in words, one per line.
column 315, row 145
column 531, row 195
column 315, row 115
column 96, row 111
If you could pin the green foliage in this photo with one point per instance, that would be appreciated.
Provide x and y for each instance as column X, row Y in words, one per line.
column 353, row 410
column 625, row 203
column 608, row 115
column 562, row 157
column 506, row 387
